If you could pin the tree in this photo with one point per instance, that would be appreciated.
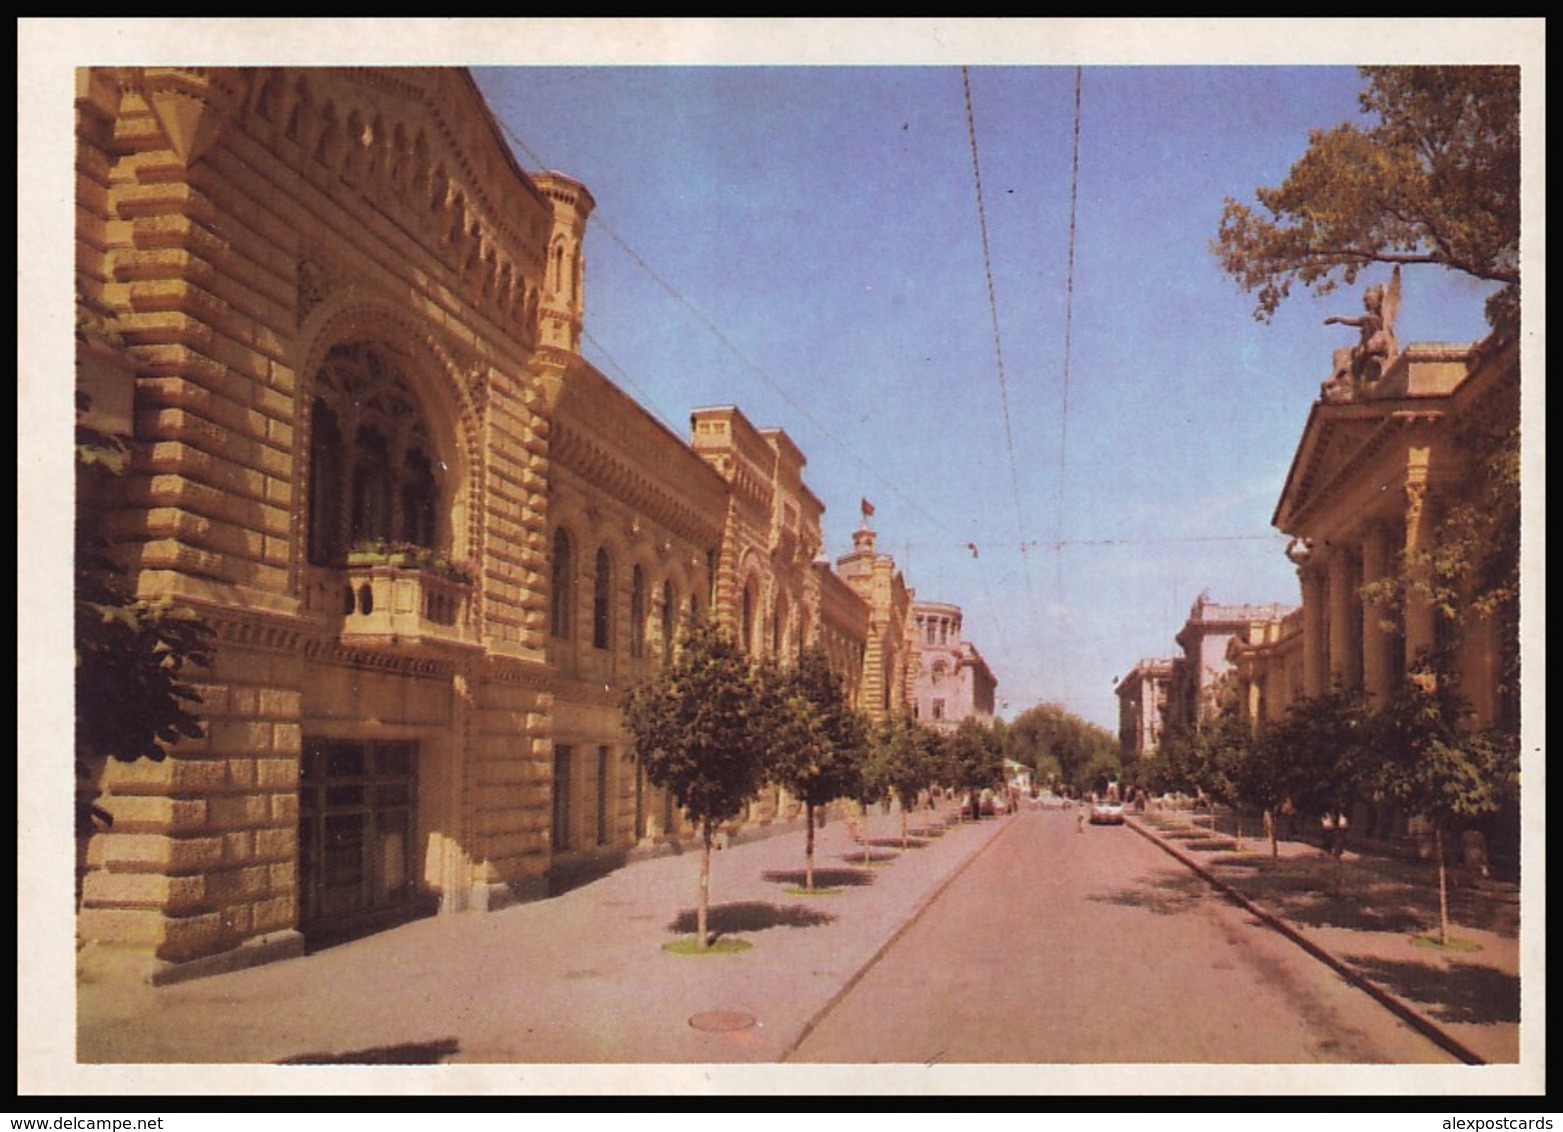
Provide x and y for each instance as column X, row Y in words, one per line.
column 1217, row 751
column 909, row 760
column 696, row 732
column 1434, row 768
column 976, row 760
column 1262, row 782
column 1326, row 744
column 1057, row 744
column 815, row 739
column 133, row 698
column 1434, row 179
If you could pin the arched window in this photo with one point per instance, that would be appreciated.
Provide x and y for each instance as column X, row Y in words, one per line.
column 602, row 600
column 746, row 641
column 938, row 672
column 638, row 612
column 371, row 455
column 562, row 591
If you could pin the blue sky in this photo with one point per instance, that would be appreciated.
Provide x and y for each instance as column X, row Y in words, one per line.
column 819, row 230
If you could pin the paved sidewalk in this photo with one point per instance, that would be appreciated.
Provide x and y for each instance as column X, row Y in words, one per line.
column 578, row 978
column 1375, row 928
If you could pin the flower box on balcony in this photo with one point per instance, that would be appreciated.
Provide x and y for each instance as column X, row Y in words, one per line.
column 405, row 608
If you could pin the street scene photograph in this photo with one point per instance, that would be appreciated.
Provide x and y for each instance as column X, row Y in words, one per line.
column 778, row 556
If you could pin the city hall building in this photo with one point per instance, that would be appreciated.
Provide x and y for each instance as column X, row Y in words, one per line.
column 339, row 327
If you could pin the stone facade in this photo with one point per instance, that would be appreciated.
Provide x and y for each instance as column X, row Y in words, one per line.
column 1145, row 698
column 1372, row 478
column 952, row 681
column 1201, row 677
column 340, row 331
column 888, row 659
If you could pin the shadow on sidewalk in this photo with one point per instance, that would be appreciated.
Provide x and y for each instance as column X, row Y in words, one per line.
column 750, row 916
column 1458, row 992
column 823, row 878
column 409, row 1053
column 1166, row 894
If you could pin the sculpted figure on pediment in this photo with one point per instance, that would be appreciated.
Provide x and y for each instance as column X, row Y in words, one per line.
column 1376, row 347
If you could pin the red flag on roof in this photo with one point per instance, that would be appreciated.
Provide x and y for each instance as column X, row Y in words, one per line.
column 868, row 508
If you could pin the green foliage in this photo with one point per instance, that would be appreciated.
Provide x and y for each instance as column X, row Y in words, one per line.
column 1324, row 751
column 815, row 740
column 133, row 697
column 1433, row 767
column 1216, row 754
column 976, row 759
column 909, row 755
column 1434, row 179
column 1059, row 745
column 697, row 726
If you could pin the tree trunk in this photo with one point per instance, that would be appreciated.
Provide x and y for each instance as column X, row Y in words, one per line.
column 904, row 843
column 701, row 940
column 808, row 848
column 864, row 833
column 1275, row 848
column 1443, row 888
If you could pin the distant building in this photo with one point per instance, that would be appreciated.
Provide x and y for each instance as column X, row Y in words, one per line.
column 953, row 682
column 1199, row 681
column 1144, row 700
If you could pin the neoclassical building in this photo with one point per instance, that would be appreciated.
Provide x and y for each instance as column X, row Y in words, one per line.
column 1145, row 698
column 1201, row 674
column 1378, row 469
column 339, row 327
column 952, row 681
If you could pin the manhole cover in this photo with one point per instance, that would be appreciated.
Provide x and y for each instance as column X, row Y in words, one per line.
column 722, row 1021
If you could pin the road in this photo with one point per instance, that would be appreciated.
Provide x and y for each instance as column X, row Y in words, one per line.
column 1063, row 946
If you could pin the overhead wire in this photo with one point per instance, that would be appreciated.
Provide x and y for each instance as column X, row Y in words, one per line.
column 1069, row 321
column 998, row 353
column 732, row 347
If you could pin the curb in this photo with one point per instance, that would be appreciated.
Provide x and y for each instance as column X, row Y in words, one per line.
column 1397, row 1005
column 857, row 977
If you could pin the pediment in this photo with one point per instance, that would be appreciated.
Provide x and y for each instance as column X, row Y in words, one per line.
column 1336, row 437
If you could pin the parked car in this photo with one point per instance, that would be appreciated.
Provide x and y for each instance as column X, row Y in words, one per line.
column 1107, row 813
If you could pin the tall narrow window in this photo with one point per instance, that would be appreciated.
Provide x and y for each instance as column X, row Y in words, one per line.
column 669, row 615
column 604, row 781
column 747, row 640
column 602, row 600
column 562, row 786
column 561, row 578
column 638, row 612
column 326, row 489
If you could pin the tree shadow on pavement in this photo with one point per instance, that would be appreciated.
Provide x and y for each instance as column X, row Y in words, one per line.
column 751, row 916
column 1165, row 896
column 858, row 857
column 408, row 1053
column 896, row 843
column 1458, row 992
column 823, row 878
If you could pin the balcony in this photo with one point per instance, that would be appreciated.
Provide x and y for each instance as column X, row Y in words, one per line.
column 406, row 610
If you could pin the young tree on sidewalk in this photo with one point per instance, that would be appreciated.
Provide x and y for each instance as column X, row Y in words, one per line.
column 906, row 757
column 697, row 732
column 814, row 738
column 1432, row 767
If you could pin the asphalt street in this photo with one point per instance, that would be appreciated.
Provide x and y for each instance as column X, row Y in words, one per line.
column 1059, row 945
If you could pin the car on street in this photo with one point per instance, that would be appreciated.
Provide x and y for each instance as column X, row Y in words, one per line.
column 1107, row 813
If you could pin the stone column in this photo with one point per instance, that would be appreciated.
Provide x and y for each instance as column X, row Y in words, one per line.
column 1378, row 676
column 1344, row 613
column 1315, row 631
column 1419, row 610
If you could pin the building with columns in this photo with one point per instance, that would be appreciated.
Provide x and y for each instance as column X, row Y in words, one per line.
column 1375, row 475
column 1145, row 698
column 1200, row 677
column 952, row 681
column 339, row 328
